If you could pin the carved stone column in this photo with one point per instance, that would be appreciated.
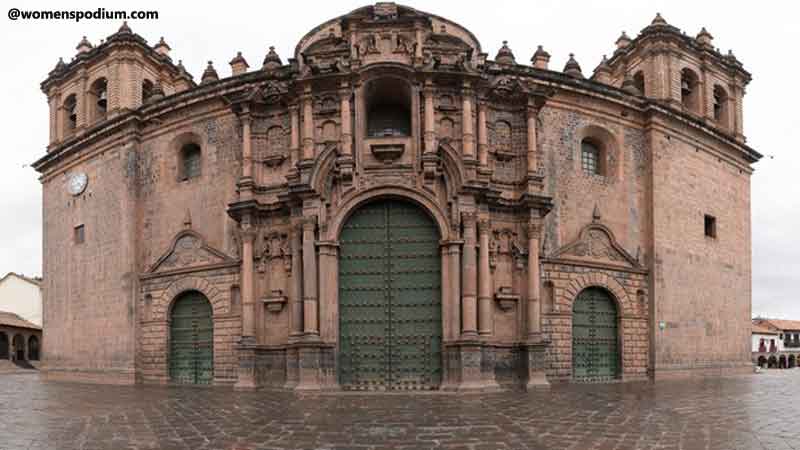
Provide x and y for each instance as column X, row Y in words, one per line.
column 533, row 113
column 248, row 294
column 296, row 287
column 467, row 135
column 294, row 144
column 310, row 299
column 328, row 288
column 534, row 328
column 347, row 128
column 484, row 281
column 430, row 125
column 308, row 124
column 469, row 272
column 483, row 141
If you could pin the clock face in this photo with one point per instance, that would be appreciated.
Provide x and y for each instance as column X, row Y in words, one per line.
column 77, row 183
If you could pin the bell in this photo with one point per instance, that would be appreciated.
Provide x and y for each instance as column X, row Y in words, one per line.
column 102, row 100
column 685, row 86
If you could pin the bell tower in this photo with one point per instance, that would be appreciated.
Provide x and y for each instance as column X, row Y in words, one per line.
column 120, row 74
column 687, row 73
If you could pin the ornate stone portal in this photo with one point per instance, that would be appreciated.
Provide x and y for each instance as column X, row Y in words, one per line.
column 392, row 210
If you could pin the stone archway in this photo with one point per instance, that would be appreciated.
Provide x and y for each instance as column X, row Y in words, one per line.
column 762, row 361
column 595, row 336
column 191, row 352
column 792, row 362
column 33, row 348
column 390, row 314
column 19, row 347
column 4, row 354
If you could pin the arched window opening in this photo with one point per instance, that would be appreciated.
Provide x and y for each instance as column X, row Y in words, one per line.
column 638, row 81
column 98, row 97
column 689, row 90
column 388, row 104
column 147, row 90
column 33, row 348
column 191, row 158
column 720, row 105
column 70, row 114
column 592, row 157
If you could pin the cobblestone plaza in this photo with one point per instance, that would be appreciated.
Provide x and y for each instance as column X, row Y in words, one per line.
column 744, row 412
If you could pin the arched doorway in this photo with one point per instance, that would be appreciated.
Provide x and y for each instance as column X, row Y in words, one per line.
column 772, row 363
column 4, row 346
column 782, row 362
column 792, row 361
column 19, row 347
column 390, row 313
column 762, row 361
column 595, row 347
column 33, row 348
column 191, row 353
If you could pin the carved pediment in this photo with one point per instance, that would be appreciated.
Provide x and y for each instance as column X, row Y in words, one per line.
column 508, row 89
column 189, row 250
column 596, row 243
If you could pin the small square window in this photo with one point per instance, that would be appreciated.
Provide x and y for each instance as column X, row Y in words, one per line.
column 590, row 158
column 710, row 226
column 79, row 234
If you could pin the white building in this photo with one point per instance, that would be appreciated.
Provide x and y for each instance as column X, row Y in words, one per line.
column 22, row 296
column 766, row 339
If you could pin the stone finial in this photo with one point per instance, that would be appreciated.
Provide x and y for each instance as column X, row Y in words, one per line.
column 705, row 38
column 83, row 46
column 602, row 73
column 540, row 58
column 60, row 66
column 187, row 219
column 623, row 41
column 272, row 60
column 629, row 85
column 658, row 20
column 596, row 214
column 238, row 64
column 504, row 55
column 572, row 68
column 209, row 75
column 161, row 47
column 125, row 29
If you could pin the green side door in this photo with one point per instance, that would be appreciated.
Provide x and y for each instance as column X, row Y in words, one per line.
column 595, row 350
column 191, row 340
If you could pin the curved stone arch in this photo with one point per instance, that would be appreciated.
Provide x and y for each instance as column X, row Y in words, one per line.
column 192, row 283
column 453, row 168
column 625, row 306
column 422, row 199
column 322, row 169
column 383, row 69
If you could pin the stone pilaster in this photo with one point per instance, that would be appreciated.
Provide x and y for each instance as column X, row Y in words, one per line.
column 430, row 125
column 469, row 296
column 294, row 140
column 483, row 141
column 310, row 299
column 485, row 316
column 467, row 135
column 246, row 372
column 296, row 286
column 532, row 118
column 308, row 124
column 534, row 323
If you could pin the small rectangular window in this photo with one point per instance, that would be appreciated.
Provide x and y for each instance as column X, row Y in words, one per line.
column 711, row 226
column 590, row 158
column 79, row 234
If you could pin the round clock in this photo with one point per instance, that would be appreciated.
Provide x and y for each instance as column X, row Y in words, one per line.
column 77, row 183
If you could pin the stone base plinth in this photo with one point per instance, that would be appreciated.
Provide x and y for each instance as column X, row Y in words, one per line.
column 468, row 366
column 534, row 365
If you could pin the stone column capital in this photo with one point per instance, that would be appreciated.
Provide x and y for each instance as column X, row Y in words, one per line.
column 533, row 228
column 484, row 226
column 308, row 223
column 469, row 218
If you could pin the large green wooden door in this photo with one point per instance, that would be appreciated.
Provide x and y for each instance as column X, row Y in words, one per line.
column 191, row 358
column 390, row 314
column 595, row 353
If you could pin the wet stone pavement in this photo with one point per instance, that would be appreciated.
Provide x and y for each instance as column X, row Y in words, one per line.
column 747, row 412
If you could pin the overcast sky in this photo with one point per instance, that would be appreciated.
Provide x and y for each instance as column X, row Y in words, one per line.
column 764, row 38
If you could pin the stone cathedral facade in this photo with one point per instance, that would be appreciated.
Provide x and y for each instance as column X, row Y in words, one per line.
column 392, row 209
